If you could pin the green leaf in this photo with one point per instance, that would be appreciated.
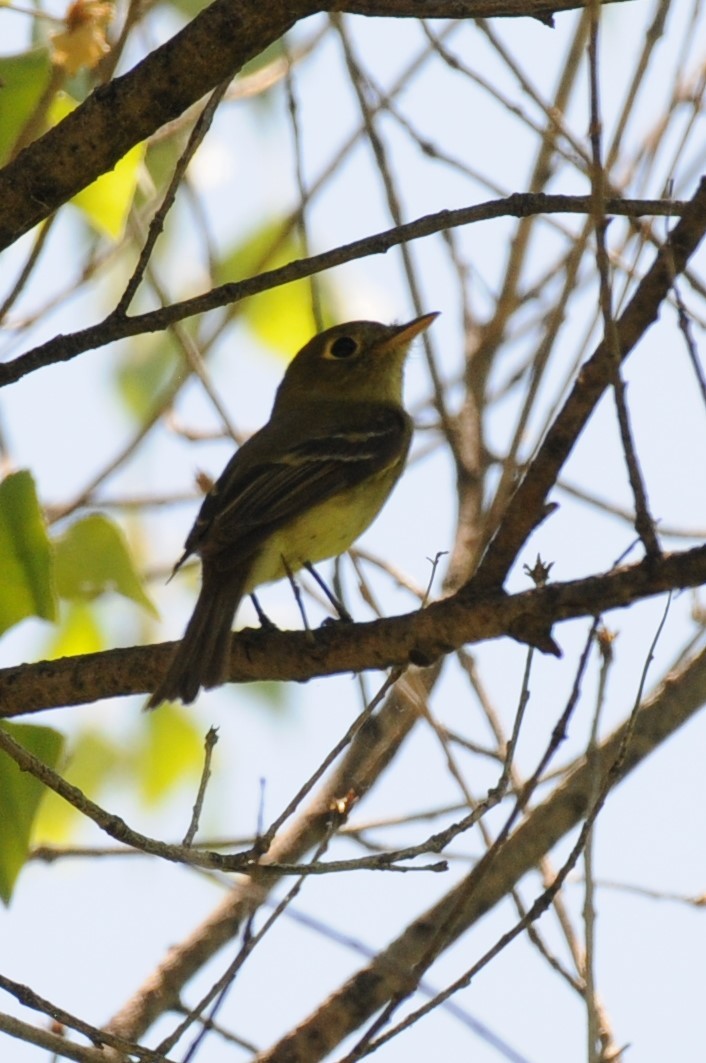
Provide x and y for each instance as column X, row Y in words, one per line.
column 282, row 318
column 273, row 695
column 26, row 586
column 143, row 371
column 78, row 631
column 20, row 794
column 190, row 8
column 161, row 157
column 105, row 203
column 93, row 761
column 273, row 51
column 24, row 79
column 92, row 558
column 172, row 752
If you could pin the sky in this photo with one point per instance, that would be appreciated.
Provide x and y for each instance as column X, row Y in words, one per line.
column 101, row 926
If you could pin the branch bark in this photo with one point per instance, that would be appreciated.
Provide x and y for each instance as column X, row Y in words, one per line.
column 210, row 49
column 526, row 506
column 128, row 109
column 418, row 638
column 63, row 348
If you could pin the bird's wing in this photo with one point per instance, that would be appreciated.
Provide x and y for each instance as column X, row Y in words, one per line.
column 253, row 498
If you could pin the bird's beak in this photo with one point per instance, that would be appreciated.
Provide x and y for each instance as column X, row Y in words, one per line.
column 404, row 334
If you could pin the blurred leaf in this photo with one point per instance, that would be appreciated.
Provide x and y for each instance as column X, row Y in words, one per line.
column 273, row 51
column 142, row 372
column 105, row 203
column 26, row 571
column 171, row 753
column 273, row 695
column 82, row 43
column 190, row 8
column 23, row 79
column 77, row 632
column 20, row 794
column 160, row 159
column 282, row 319
column 92, row 558
column 93, row 761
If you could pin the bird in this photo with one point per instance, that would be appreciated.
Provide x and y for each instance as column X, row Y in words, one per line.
column 301, row 489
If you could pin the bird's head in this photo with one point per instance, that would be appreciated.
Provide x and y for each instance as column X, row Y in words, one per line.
column 361, row 361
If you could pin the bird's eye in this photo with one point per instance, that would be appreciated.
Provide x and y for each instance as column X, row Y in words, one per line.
column 343, row 347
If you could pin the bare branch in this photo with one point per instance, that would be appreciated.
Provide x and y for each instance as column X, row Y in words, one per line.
column 63, row 348
column 394, row 969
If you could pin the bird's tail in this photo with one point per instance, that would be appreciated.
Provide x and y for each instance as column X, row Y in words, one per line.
column 201, row 658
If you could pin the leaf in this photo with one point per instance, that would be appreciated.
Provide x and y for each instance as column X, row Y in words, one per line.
column 272, row 695
column 105, row 203
column 190, row 8
column 92, row 558
column 171, row 753
column 20, row 794
column 272, row 52
column 82, row 44
column 26, row 583
column 282, row 318
column 143, row 371
column 24, row 79
column 93, row 761
column 161, row 157
column 78, row 632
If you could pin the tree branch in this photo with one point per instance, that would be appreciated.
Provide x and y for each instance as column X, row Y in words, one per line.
column 64, row 348
column 527, row 506
column 127, row 110
column 370, row 752
column 679, row 697
column 420, row 638
column 210, row 49
column 406, row 958
column 539, row 9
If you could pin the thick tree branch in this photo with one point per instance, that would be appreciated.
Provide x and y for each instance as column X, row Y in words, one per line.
column 420, row 638
column 539, row 9
column 127, row 110
column 130, row 108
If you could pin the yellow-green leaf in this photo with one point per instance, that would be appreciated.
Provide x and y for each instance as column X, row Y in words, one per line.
column 92, row 762
column 23, row 79
column 190, row 8
column 92, row 558
column 20, row 794
column 274, row 51
column 282, row 318
column 105, row 203
column 143, row 371
column 26, row 576
column 78, row 631
column 171, row 753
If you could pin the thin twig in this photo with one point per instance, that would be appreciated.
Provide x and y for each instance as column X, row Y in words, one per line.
column 199, row 131
column 209, row 745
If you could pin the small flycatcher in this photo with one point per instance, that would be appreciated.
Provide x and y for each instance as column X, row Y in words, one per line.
column 300, row 490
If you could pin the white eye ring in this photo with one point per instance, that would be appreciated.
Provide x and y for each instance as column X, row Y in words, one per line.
column 342, row 347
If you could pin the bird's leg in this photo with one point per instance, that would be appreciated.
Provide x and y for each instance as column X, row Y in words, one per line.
column 265, row 623
column 296, row 590
column 338, row 605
